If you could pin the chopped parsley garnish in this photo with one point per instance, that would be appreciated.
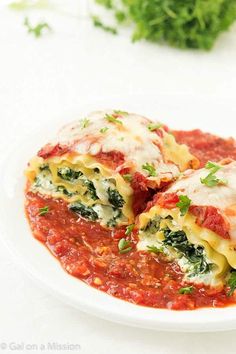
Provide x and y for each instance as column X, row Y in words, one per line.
column 232, row 283
column 85, row 123
column 155, row 249
column 127, row 177
column 43, row 210
column 154, row 126
column 112, row 119
column 211, row 179
column 104, row 130
column 120, row 112
column 37, row 30
column 186, row 290
column 150, row 169
column 124, row 246
column 98, row 23
column 129, row 229
column 183, row 204
column 212, row 166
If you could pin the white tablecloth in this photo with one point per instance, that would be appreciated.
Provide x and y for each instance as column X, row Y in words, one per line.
column 40, row 77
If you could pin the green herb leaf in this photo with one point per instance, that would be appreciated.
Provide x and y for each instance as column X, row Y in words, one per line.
column 129, row 229
column 98, row 23
column 43, row 210
column 155, row 249
column 154, row 126
column 187, row 290
column 127, row 177
column 124, row 246
column 123, row 113
column 104, row 130
column 211, row 179
column 183, row 204
column 212, row 166
column 37, row 30
column 232, row 283
column 112, row 119
column 85, row 123
column 150, row 169
column 183, row 24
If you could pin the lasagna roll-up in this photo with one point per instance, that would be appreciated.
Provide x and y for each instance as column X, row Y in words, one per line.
column 194, row 223
column 107, row 165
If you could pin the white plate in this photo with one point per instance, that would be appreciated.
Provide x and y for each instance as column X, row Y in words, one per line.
column 177, row 111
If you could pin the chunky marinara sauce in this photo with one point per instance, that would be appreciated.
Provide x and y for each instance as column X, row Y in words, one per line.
column 89, row 252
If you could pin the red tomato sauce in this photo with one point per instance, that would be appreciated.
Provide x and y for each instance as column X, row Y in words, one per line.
column 90, row 253
column 205, row 146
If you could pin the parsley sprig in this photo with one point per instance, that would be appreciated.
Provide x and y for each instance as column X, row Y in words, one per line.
column 211, row 179
column 154, row 249
column 85, row 123
column 154, row 126
column 186, row 290
column 129, row 229
column 124, row 246
column 183, row 24
column 118, row 111
column 110, row 118
column 127, row 177
column 104, row 130
column 43, row 211
column 183, row 204
column 98, row 23
column 37, row 30
column 150, row 168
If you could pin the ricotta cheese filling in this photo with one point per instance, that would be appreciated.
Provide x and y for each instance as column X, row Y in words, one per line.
column 101, row 200
column 192, row 259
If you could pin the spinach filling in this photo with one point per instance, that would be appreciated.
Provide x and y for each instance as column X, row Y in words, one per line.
column 153, row 225
column 115, row 198
column 113, row 221
column 84, row 211
column 68, row 174
column 62, row 189
column 109, row 214
column 194, row 254
column 73, row 176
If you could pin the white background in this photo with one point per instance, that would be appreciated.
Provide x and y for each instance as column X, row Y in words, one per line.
column 75, row 64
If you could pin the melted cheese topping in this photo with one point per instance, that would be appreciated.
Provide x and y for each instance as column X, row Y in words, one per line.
column 222, row 197
column 128, row 134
